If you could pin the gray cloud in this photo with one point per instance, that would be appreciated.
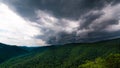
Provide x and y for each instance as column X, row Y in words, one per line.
column 72, row 9
column 71, row 21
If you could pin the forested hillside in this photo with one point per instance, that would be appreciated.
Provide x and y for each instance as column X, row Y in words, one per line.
column 65, row 56
column 7, row 52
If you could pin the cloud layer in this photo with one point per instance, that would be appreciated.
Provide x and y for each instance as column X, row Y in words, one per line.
column 15, row 30
column 60, row 22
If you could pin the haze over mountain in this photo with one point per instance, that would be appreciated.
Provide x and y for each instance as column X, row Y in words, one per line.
column 44, row 22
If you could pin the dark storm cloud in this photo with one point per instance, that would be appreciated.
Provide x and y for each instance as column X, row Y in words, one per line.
column 60, row 8
column 89, row 18
column 55, row 18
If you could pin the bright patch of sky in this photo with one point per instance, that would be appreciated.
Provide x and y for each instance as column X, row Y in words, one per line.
column 15, row 30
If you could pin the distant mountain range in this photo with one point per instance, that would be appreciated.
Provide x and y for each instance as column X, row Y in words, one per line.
column 64, row 56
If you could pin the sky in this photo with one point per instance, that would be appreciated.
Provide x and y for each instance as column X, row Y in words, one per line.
column 53, row 22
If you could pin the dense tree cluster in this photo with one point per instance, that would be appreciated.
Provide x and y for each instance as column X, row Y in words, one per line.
column 112, row 61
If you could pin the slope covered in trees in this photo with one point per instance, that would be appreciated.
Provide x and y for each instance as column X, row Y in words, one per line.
column 7, row 52
column 66, row 56
column 111, row 61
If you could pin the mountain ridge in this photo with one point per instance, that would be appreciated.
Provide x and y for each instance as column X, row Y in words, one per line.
column 66, row 56
column 7, row 52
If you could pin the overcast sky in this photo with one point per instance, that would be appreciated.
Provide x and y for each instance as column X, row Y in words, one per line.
column 45, row 22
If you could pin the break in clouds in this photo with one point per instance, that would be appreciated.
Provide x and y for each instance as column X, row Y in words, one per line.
column 43, row 22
